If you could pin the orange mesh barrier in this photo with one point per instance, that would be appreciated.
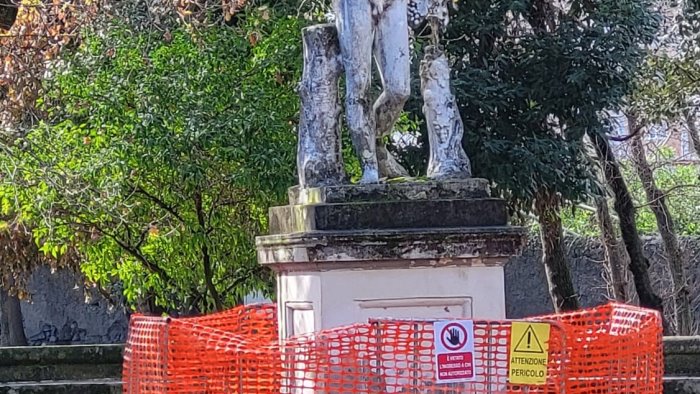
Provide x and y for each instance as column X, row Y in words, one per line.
column 613, row 348
column 258, row 320
column 206, row 354
column 390, row 356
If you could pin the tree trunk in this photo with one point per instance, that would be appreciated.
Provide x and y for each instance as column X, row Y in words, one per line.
column 445, row 128
column 206, row 257
column 11, row 321
column 561, row 287
column 614, row 254
column 664, row 221
column 319, row 154
column 691, row 118
column 624, row 207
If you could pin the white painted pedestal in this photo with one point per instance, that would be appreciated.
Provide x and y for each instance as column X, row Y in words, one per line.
column 347, row 254
column 331, row 279
column 311, row 301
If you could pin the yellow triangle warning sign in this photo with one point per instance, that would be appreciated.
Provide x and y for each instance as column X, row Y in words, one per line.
column 529, row 342
column 529, row 353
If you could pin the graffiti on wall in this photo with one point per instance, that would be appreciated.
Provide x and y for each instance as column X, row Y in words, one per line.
column 71, row 333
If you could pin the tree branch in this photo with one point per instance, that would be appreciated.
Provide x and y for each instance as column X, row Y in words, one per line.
column 665, row 193
column 206, row 258
column 159, row 202
column 135, row 253
column 631, row 135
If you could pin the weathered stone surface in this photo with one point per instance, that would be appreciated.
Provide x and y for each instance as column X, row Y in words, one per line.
column 682, row 385
column 367, row 28
column 74, row 362
column 63, row 310
column 682, row 356
column 94, row 386
column 399, row 191
column 319, row 152
column 325, row 250
column 72, row 354
column 682, row 365
column 61, row 369
column 66, row 371
column 388, row 215
column 445, row 128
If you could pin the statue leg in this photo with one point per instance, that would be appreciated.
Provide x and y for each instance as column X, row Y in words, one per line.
column 356, row 32
column 392, row 55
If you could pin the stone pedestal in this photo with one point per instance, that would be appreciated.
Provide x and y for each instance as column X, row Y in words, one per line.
column 344, row 254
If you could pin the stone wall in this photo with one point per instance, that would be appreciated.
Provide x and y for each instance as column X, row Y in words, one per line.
column 526, row 285
column 98, row 368
column 61, row 313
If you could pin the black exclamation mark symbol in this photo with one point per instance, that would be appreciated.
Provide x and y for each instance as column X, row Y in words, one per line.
column 529, row 337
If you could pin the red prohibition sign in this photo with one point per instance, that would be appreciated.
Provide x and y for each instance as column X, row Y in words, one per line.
column 453, row 336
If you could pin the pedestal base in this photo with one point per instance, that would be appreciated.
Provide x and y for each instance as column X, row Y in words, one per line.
column 311, row 301
column 439, row 254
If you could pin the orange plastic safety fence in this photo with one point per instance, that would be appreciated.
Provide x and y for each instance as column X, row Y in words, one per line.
column 259, row 320
column 614, row 348
column 206, row 354
column 398, row 356
column 145, row 363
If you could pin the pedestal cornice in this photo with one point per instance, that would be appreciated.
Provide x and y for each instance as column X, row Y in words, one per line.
column 403, row 248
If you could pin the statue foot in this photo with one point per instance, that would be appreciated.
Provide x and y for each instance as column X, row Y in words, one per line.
column 389, row 167
column 369, row 175
column 455, row 175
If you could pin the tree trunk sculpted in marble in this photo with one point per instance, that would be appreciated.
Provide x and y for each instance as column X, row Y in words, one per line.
column 376, row 31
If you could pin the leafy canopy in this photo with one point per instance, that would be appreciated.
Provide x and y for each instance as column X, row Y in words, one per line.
column 532, row 77
column 160, row 155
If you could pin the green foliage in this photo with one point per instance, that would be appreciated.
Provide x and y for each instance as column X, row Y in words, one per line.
column 580, row 221
column 161, row 154
column 667, row 85
column 681, row 185
column 665, row 88
column 531, row 81
column 679, row 182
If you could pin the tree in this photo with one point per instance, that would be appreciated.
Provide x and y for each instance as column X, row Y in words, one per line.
column 11, row 319
column 30, row 37
column 531, row 79
column 664, row 220
column 624, row 207
column 691, row 118
column 613, row 253
column 37, row 34
column 561, row 286
column 663, row 91
column 20, row 255
column 160, row 154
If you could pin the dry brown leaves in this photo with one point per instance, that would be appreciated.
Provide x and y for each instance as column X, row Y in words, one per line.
column 200, row 10
column 19, row 256
column 41, row 30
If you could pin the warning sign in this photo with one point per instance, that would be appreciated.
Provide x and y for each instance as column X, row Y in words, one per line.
column 454, row 351
column 529, row 351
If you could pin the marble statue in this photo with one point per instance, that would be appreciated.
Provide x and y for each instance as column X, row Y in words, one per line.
column 367, row 32
column 374, row 29
column 447, row 160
